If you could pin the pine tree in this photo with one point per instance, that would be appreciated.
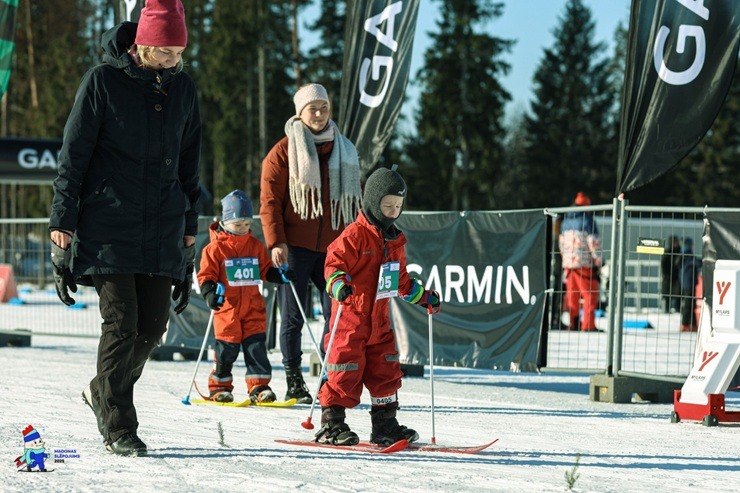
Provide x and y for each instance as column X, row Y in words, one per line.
column 246, row 87
column 457, row 152
column 52, row 53
column 324, row 60
column 54, row 48
column 572, row 142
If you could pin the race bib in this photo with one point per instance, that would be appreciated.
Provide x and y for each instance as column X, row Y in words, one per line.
column 388, row 280
column 243, row 271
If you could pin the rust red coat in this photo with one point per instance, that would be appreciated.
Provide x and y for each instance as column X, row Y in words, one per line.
column 280, row 222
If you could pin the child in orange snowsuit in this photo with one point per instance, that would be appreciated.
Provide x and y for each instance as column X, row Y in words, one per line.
column 240, row 262
column 364, row 268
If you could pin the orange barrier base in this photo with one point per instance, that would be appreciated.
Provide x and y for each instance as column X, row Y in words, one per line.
column 710, row 414
column 7, row 283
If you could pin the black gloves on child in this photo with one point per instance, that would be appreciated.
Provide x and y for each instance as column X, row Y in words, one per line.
column 214, row 299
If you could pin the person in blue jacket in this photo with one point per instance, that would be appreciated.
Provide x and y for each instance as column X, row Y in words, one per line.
column 124, row 214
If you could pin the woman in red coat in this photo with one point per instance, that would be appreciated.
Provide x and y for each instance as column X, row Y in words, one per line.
column 309, row 190
column 365, row 267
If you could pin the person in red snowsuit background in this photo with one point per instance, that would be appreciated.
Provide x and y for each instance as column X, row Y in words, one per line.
column 366, row 266
column 240, row 262
column 580, row 248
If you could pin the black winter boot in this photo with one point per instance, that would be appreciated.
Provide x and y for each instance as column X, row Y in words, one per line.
column 262, row 393
column 334, row 431
column 386, row 430
column 296, row 386
column 128, row 445
column 92, row 403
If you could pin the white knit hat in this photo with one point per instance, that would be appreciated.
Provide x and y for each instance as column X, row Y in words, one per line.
column 308, row 94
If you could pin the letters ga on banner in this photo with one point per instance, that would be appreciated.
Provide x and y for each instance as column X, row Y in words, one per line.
column 680, row 63
column 378, row 41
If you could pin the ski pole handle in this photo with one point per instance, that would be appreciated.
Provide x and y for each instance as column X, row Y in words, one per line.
column 220, row 291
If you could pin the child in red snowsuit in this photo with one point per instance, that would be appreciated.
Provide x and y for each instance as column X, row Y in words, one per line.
column 365, row 267
column 240, row 262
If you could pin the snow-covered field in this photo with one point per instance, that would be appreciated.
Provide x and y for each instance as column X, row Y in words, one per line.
column 546, row 425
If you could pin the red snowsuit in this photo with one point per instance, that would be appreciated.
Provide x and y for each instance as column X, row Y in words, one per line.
column 364, row 347
column 243, row 313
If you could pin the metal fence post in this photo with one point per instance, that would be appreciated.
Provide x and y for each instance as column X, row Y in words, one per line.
column 612, row 290
column 621, row 254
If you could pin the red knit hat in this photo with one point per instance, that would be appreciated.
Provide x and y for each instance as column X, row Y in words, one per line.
column 162, row 23
column 582, row 199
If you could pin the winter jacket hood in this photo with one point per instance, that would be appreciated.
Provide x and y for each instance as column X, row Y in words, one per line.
column 116, row 44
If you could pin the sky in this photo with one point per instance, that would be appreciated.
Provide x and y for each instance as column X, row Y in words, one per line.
column 530, row 23
column 546, row 426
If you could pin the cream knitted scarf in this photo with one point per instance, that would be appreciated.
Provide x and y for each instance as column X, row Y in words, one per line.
column 304, row 176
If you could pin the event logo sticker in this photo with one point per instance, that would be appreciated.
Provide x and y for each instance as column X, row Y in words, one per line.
column 34, row 452
column 36, row 456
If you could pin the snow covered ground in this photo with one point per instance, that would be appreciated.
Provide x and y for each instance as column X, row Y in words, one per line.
column 546, row 425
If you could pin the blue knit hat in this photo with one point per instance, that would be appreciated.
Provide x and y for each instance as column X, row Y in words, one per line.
column 30, row 434
column 236, row 206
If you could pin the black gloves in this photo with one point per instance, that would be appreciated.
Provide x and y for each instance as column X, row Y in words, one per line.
column 280, row 276
column 63, row 279
column 183, row 287
column 288, row 274
column 340, row 289
column 213, row 293
column 343, row 292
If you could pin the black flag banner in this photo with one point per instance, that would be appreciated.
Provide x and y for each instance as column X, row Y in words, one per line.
column 378, row 40
column 680, row 62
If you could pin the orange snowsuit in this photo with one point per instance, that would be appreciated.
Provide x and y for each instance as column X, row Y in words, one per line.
column 244, row 312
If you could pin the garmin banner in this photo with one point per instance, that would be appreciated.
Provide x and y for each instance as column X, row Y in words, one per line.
column 29, row 160
column 489, row 268
column 378, row 40
column 681, row 57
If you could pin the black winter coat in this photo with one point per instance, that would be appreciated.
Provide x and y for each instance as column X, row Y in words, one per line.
column 128, row 168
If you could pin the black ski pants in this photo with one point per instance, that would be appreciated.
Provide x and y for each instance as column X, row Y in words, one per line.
column 258, row 367
column 308, row 266
column 135, row 310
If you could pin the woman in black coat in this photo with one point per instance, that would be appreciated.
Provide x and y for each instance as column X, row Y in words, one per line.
column 123, row 216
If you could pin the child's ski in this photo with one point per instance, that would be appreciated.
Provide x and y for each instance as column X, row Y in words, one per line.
column 396, row 447
column 245, row 403
column 424, row 447
column 360, row 447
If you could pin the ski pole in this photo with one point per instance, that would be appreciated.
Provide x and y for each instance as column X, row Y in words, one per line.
column 220, row 290
column 284, row 268
column 307, row 424
column 431, row 368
